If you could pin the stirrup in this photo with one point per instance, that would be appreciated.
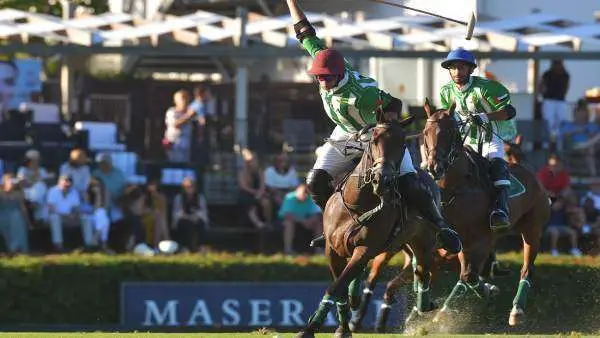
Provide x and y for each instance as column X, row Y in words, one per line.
column 499, row 227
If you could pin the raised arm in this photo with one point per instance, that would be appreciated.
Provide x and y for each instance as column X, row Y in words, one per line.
column 305, row 32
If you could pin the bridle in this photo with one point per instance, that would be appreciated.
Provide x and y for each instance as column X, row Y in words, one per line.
column 455, row 147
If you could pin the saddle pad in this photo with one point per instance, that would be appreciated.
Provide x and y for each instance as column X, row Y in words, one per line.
column 516, row 187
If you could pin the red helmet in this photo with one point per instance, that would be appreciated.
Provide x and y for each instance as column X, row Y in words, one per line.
column 328, row 62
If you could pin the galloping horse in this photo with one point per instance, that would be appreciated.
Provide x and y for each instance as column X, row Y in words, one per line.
column 367, row 216
column 515, row 156
column 465, row 187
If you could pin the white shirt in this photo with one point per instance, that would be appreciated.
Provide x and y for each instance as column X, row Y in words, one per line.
column 178, row 136
column 63, row 204
column 594, row 197
column 273, row 179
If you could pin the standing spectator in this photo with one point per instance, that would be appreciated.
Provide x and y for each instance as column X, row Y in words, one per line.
column 78, row 170
column 253, row 193
column 14, row 222
column 32, row 177
column 298, row 210
column 554, row 178
column 280, row 178
column 579, row 135
column 64, row 204
column 178, row 132
column 154, row 215
column 553, row 87
column 190, row 216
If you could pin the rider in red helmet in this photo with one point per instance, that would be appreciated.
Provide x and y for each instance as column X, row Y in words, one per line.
column 350, row 101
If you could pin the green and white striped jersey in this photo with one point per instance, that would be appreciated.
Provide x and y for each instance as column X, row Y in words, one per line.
column 353, row 102
column 481, row 95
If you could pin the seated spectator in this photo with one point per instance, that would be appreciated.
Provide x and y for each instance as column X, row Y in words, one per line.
column 32, row 177
column 94, row 208
column 579, row 134
column 14, row 222
column 253, row 194
column 112, row 178
column 554, row 178
column 558, row 226
column 178, row 128
column 129, row 231
column 298, row 209
column 154, row 215
column 64, row 204
column 78, row 170
column 190, row 216
column 594, row 193
column 280, row 178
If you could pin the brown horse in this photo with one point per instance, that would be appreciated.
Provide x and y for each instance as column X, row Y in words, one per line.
column 367, row 216
column 462, row 175
column 441, row 260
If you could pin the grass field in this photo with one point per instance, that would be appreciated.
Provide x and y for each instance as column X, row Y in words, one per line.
column 242, row 335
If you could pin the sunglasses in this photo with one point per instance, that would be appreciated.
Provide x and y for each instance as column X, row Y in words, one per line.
column 326, row 77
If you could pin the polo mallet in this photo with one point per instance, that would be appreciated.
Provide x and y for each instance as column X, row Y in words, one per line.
column 470, row 24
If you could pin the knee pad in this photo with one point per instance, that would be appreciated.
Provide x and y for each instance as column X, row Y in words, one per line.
column 319, row 182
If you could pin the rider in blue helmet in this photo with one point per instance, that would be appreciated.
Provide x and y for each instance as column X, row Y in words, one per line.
column 485, row 104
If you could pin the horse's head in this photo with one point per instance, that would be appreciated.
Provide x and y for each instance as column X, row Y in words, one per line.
column 385, row 151
column 441, row 137
column 514, row 152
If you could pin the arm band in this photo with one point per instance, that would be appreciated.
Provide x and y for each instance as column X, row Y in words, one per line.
column 300, row 25
column 511, row 112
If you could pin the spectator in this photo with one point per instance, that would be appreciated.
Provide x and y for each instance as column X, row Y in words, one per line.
column 280, row 178
column 190, row 216
column 32, row 177
column 131, row 226
column 594, row 193
column 78, row 170
column 14, row 222
column 580, row 134
column 95, row 209
column 553, row 87
column 178, row 132
column 592, row 220
column 253, row 193
column 64, row 204
column 298, row 209
column 558, row 227
column 554, row 178
column 8, row 81
column 113, row 180
column 200, row 104
column 154, row 215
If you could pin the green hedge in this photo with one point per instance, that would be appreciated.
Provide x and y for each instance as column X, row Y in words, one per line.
column 84, row 289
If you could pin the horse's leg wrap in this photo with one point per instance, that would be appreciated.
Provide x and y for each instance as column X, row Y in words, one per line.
column 382, row 317
column 521, row 296
column 415, row 279
column 459, row 290
column 354, row 290
column 318, row 318
column 343, row 310
column 424, row 303
column 479, row 289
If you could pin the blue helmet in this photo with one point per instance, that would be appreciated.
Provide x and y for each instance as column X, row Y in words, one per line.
column 459, row 54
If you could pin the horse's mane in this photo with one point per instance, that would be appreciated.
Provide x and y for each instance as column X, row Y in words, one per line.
column 478, row 168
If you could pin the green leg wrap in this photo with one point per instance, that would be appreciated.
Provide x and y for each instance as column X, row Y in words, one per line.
column 459, row 290
column 415, row 281
column 355, row 287
column 521, row 296
column 343, row 310
column 319, row 317
column 424, row 300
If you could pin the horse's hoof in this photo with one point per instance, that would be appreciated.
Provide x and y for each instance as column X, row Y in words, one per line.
column 305, row 334
column 354, row 326
column 342, row 332
column 517, row 316
column 492, row 290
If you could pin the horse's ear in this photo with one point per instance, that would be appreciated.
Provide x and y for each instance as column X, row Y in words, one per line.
column 428, row 107
column 518, row 139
